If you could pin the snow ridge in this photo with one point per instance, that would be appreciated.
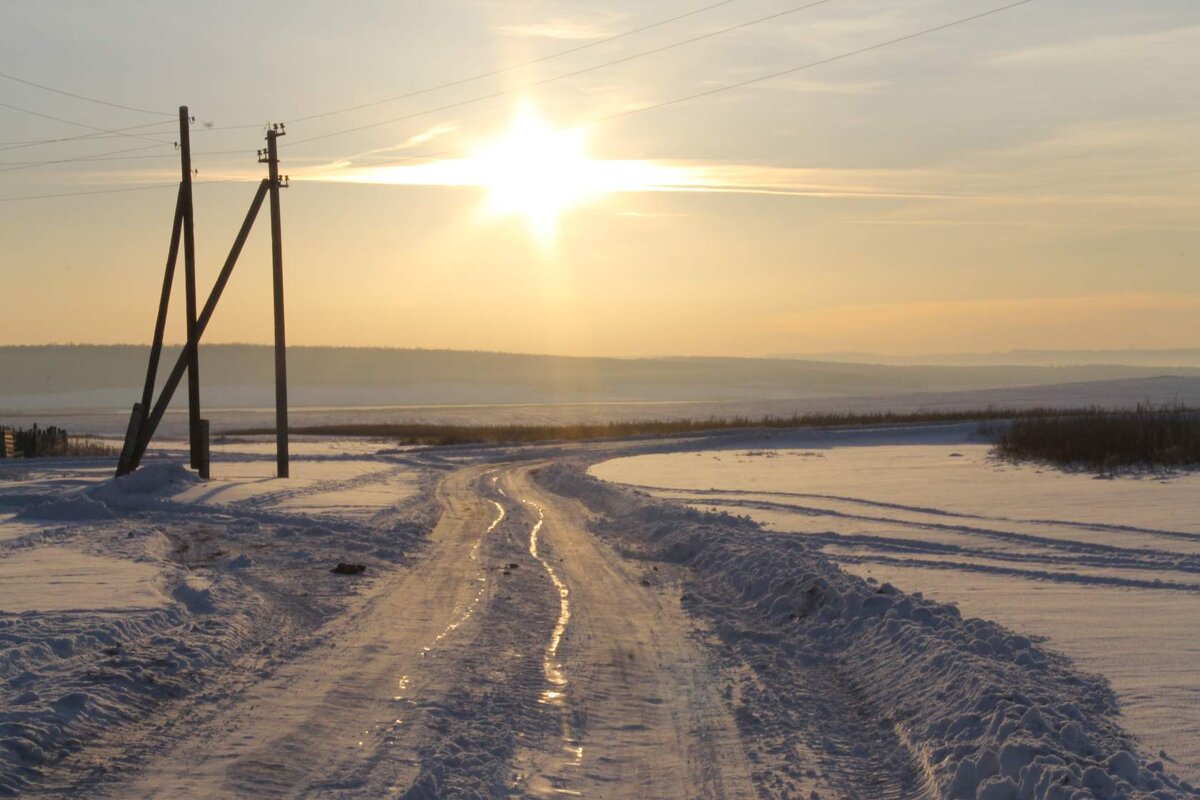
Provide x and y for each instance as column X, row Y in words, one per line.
column 985, row 713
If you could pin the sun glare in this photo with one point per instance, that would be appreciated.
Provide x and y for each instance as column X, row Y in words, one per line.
column 536, row 172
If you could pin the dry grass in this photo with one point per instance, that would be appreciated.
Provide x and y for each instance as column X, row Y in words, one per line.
column 439, row 435
column 88, row 446
column 1145, row 437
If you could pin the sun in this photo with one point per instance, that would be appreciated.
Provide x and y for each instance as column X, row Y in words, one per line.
column 537, row 173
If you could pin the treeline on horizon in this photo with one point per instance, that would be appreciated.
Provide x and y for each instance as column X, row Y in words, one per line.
column 426, row 434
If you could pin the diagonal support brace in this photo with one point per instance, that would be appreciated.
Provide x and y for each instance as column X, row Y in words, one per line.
column 181, row 364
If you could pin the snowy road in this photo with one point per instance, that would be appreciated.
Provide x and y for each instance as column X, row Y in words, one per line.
column 461, row 674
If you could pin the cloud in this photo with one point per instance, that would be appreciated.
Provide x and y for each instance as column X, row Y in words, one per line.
column 621, row 176
column 415, row 140
column 570, row 30
column 1161, row 45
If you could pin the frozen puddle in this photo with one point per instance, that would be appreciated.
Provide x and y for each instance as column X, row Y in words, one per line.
column 1064, row 556
column 60, row 579
column 556, row 678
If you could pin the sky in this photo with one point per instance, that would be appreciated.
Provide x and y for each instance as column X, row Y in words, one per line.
column 520, row 176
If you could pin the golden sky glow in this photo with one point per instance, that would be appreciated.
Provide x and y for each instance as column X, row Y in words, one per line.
column 1027, row 180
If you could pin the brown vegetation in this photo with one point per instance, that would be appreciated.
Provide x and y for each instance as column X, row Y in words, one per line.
column 1144, row 437
column 425, row 434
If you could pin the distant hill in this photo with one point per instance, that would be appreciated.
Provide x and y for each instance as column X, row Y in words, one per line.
column 1170, row 358
column 93, row 377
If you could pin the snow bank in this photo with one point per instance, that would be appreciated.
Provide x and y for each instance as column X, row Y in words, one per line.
column 79, row 508
column 988, row 714
column 161, row 479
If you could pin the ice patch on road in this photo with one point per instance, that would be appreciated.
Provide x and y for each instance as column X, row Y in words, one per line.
column 552, row 668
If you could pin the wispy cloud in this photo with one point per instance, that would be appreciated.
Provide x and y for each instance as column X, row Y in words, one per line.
column 1162, row 44
column 622, row 176
column 421, row 138
column 571, row 30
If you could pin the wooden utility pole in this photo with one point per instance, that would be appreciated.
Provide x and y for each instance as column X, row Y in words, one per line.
column 189, row 278
column 210, row 306
column 144, row 420
column 281, row 399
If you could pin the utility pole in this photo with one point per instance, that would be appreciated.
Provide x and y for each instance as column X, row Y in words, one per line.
column 189, row 278
column 281, row 402
column 144, row 420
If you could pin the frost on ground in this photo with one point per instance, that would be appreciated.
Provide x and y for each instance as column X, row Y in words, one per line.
column 121, row 598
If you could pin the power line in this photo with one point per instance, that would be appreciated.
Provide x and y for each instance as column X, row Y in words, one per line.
column 563, row 76
column 383, row 101
column 113, row 155
column 529, row 63
column 84, row 97
column 12, row 166
column 802, row 67
column 82, row 124
column 627, row 113
column 116, row 190
column 744, row 83
column 23, row 143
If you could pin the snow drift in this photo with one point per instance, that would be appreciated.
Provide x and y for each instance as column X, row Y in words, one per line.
column 986, row 713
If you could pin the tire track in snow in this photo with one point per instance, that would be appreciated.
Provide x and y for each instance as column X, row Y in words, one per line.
column 930, row 510
column 642, row 715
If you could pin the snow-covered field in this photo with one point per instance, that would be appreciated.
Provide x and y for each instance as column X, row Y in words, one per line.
column 1105, row 571
column 524, row 629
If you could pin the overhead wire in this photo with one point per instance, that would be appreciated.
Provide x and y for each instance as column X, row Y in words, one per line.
column 502, row 70
column 640, row 109
column 438, row 87
column 119, row 189
column 82, row 124
column 23, row 143
column 85, row 98
column 112, row 155
column 739, row 84
column 12, row 166
column 394, row 98
column 809, row 65
column 562, row 76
